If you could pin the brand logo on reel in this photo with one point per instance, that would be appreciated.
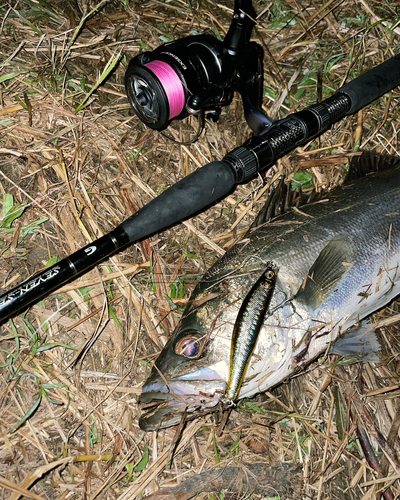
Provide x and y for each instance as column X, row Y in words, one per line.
column 177, row 59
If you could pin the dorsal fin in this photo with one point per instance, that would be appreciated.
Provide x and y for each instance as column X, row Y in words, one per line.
column 282, row 199
column 370, row 163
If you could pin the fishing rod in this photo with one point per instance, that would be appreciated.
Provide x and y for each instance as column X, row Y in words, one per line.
column 212, row 182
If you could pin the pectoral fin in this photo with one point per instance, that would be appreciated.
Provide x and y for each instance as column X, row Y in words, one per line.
column 323, row 278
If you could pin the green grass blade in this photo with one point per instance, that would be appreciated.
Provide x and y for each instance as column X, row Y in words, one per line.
column 114, row 60
column 28, row 414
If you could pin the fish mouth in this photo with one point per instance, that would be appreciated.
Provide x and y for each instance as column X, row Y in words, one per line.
column 164, row 405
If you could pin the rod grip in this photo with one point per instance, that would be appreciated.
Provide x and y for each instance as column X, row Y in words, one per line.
column 372, row 84
column 190, row 195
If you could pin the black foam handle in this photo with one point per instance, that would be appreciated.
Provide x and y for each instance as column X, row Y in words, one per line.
column 373, row 84
column 190, row 195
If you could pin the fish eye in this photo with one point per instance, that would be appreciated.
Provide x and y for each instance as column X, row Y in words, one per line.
column 270, row 275
column 188, row 346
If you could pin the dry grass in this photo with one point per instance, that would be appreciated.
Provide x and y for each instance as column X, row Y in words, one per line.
column 78, row 362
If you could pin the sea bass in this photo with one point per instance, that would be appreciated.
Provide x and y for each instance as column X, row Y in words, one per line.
column 336, row 262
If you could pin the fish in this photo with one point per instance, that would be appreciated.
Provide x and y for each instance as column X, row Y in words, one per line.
column 337, row 260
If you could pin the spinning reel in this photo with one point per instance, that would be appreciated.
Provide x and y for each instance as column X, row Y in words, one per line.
column 199, row 73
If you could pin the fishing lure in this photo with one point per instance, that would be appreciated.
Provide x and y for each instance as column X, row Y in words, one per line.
column 245, row 333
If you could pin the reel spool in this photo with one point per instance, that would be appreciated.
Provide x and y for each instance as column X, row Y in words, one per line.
column 177, row 79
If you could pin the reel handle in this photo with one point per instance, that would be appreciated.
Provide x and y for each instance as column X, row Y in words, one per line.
column 239, row 33
column 249, row 83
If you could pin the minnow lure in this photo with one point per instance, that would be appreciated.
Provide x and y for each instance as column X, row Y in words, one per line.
column 245, row 333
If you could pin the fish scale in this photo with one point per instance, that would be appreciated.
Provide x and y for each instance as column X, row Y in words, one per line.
column 337, row 261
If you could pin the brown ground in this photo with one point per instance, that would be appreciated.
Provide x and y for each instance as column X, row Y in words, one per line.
column 70, row 430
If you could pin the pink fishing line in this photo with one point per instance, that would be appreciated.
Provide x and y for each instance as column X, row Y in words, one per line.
column 172, row 85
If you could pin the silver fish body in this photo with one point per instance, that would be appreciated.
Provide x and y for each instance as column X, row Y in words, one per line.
column 337, row 261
